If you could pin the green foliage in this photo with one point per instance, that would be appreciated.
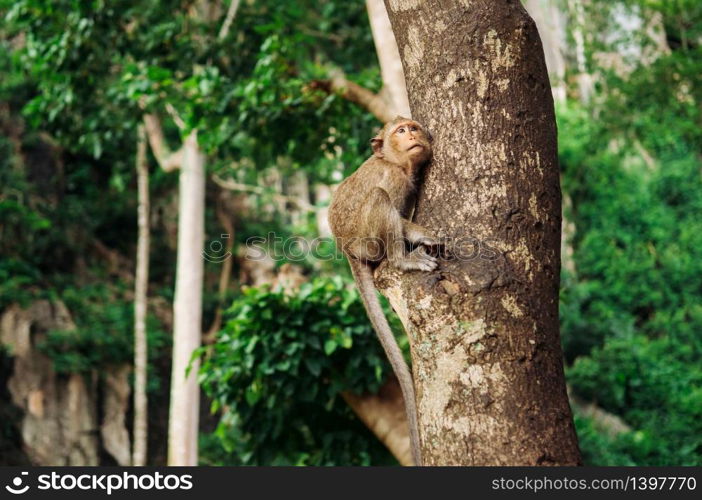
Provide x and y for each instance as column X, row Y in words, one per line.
column 78, row 72
column 655, row 386
column 51, row 217
column 93, row 67
column 16, row 282
column 277, row 371
column 597, row 447
column 631, row 315
column 637, row 246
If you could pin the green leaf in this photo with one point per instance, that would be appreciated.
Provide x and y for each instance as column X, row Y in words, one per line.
column 330, row 346
column 252, row 395
column 314, row 365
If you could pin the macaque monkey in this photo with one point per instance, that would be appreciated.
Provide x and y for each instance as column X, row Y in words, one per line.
column 368, row 217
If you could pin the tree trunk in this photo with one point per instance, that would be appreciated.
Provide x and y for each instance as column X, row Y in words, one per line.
column 549, row 20
column 394, row 87
column 141, row 283
column 586, row 81
column 224, row 209
column 483, row 330
column 187, row 309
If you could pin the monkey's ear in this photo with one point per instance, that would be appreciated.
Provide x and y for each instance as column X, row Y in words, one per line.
column 429, row 136
column 377, row 145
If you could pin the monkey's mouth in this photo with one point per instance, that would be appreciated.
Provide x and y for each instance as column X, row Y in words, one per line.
column 416, row 146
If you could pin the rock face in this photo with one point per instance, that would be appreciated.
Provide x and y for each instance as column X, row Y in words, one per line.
column 60, row 422
column 114, row 434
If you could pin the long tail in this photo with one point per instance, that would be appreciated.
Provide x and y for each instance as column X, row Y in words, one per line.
column 364, row 279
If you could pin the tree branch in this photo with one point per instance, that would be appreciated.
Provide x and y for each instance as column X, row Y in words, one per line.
column 231, row 14
column 355, row 93
column 237, row 186
column 384, row 415
column 609, row 423
column 154, row 131
column 175, row 116
column 227, row 222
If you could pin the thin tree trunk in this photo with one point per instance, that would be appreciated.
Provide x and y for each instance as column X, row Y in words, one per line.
column 187, row 307
column 141, row 283
column 585, row 80
column 322, row 195
column 228, row 20
column 549, row 21
column 187, row 310
column 298, row 187
column 484, row 332
column 224, row 213
column 389, row 59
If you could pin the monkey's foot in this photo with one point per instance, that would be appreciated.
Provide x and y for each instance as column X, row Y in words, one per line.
column 418, row 260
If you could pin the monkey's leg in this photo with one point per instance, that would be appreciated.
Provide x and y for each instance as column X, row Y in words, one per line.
column 384, row 223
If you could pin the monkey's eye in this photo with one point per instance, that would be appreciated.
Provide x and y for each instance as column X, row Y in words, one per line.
column 401, row 130
column 414, row 128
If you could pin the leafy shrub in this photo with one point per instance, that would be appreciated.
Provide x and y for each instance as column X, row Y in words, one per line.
column 631, row 316
column 277, row 371
column 654, row 388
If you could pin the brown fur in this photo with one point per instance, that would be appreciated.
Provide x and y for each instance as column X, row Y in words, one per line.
column 374, row 202
column 368, row 216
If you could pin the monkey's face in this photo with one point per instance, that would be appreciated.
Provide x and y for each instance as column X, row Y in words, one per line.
column 408, row 142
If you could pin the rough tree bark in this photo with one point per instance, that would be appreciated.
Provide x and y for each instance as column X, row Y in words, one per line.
column 483, row 329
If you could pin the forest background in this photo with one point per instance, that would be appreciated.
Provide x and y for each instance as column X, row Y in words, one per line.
column 86, row 86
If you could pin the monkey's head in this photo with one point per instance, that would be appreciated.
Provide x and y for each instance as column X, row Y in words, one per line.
column 403, row 141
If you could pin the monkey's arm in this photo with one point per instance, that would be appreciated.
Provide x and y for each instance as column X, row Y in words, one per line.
column 419, row 235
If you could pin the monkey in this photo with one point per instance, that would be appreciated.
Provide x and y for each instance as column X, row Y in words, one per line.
column 368, row 217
